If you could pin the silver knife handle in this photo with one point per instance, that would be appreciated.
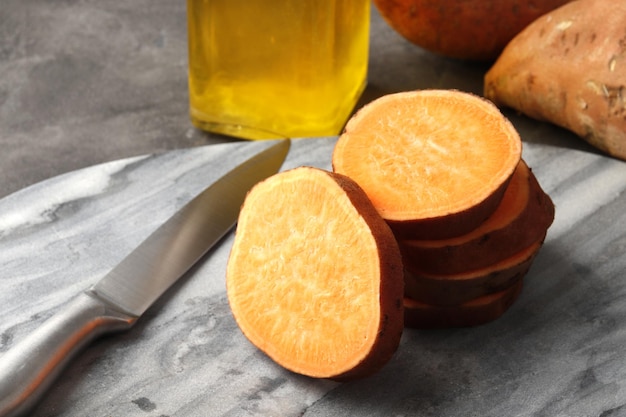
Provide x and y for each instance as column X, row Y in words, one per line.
column 29, row 367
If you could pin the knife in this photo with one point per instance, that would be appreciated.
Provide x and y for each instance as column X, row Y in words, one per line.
column 125, row 293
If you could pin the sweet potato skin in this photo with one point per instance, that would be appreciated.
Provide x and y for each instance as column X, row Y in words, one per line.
column 390, row 279
column 461, row 255
column 392, row 284
column 450, row 290
column 569, row 68
column 464, row 29
column 452, row 225
column 428, row 220
column 476, row 312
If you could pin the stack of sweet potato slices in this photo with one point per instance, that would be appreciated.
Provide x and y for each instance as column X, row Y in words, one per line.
column 474, row 278
column 444, row 169
column 430, row 219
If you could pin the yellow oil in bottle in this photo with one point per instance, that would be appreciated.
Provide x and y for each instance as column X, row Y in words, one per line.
column 263, row 69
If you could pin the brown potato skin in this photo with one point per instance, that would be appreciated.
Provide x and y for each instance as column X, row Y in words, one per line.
column 452, row 225
column 569, row 68
column 442, row 225
column 391, row 286
column 476, row 312
column 391, row 323
column 451, row 290
column 490, row 248
column 475, row 30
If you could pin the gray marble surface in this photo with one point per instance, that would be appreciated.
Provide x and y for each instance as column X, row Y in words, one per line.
column 559, row 351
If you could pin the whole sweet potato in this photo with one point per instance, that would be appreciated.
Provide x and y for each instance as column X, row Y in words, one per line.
column 465, row 29
column 569, row 68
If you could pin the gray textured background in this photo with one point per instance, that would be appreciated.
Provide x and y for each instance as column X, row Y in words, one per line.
column 84, row 82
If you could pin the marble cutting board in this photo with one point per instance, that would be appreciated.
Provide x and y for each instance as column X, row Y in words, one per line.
column 559, row 351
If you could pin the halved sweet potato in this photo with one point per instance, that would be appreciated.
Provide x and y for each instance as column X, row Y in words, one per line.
column 523, row 216
column 459, row 288
column 472, row 313
column 435, row 163
column 315, row 278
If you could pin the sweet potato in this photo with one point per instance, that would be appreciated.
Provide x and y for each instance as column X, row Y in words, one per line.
column 463, row 29
column 472, row 313
column 569, row 68
column 314, row 278
column 521, row 219
column 459, row 288
column 435, row 163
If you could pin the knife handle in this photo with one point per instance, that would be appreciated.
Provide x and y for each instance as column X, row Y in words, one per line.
column 28, row 369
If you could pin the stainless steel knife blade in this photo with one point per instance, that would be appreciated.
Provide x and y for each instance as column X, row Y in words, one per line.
column 176, row 245
column 119, row 298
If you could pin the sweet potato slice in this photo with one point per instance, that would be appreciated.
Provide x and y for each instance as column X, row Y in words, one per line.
column 568, row 67
column 456, row 289
column 522, row 218
column 435, row 163
column 472, row 313
column 314, row 278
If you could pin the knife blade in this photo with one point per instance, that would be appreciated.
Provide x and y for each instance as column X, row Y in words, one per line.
column 117, row 301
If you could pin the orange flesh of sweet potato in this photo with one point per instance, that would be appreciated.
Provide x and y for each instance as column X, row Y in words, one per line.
column 459, row 288
column 569, row 68
column 522, row 218
column 315, row 278
column 478, row 311
column 435, row 163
